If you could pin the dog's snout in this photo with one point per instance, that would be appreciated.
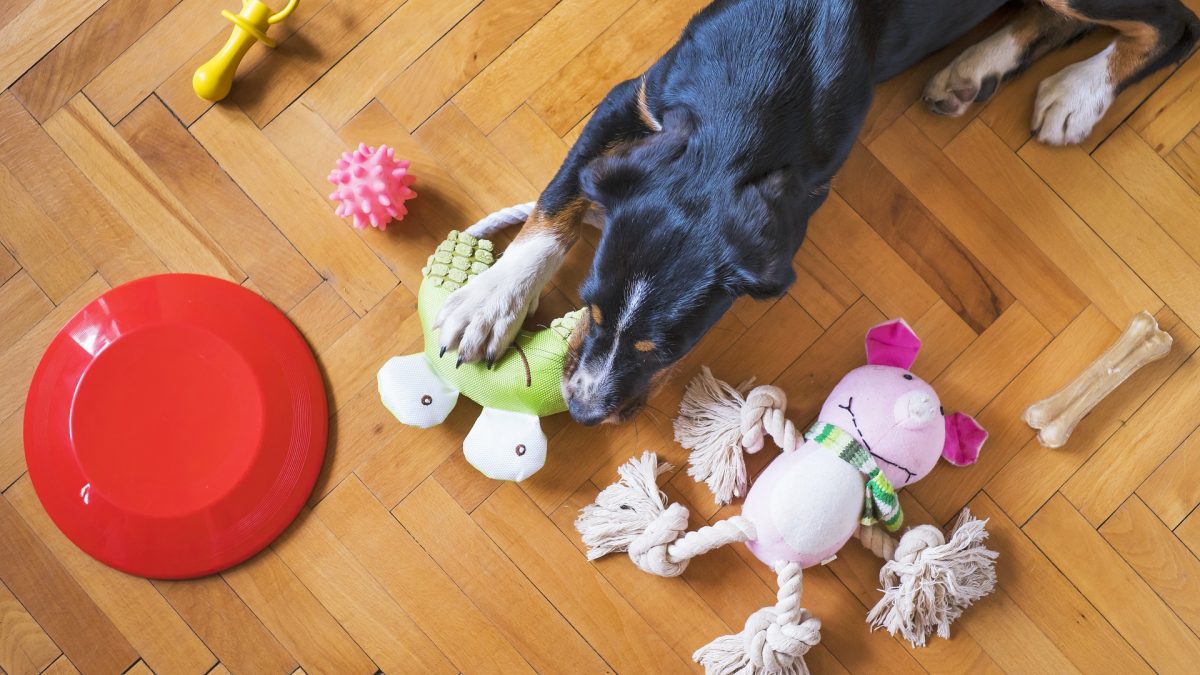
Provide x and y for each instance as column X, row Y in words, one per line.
column 586, row 413
column 915, row 409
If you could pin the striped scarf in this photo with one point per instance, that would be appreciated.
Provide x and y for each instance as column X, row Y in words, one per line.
column 880, row 504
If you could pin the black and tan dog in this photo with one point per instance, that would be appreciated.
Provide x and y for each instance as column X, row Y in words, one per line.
column 707, row 168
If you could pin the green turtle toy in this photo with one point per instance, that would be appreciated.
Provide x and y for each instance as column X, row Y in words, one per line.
column 523, row 385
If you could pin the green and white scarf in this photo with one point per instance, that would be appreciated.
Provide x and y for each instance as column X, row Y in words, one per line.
column 880, row 504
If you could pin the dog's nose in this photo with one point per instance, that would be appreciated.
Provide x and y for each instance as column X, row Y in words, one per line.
column 587, row 414
column 915, row 409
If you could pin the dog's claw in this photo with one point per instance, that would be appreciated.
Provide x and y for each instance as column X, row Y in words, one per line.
column 458, row 364
column 442, row 352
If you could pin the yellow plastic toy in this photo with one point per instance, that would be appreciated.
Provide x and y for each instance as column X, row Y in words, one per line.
column 214, row 79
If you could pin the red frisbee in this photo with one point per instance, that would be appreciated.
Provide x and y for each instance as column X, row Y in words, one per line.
column 175, row 426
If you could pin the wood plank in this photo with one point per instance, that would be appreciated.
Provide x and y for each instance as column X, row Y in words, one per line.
column 979, row 224
column 301, row 214
column 227, row 626
column 1170, row 114
column 356, row 600
column 1050, row 600
column 821, row 288
column 38, row 244
column 216, row 202
column 393, row 328
column 35, row 31
column 131, row 603
column 1155, row 430
column 917, row 236
column 1042, row 215
column 55, row 600
column 140, row 69
column 882, row 275
column 623, row 51
column 297, row 619
column 69, row 199
column 576, row 588
column 317, row 46
column 384, row 54
column 1131, row 233
column 25, row 649
column 19, row 361
column 1156, row 188
column 1126, row 600
column 12, row 448
column 1007, row 357
column 90, row 48
column 61, row 666
column 415, row 94
column 323, row 317
column 945, row 336
column 767, row 347
column 22, row 304
column 1171, row 492
column 478, row 166
column 495, row 583
column 671, row 607
column 530, row 145
column 412, row 579
column 1035, row 473
column 137, row 193
column 533, row 59
column 1157, row 556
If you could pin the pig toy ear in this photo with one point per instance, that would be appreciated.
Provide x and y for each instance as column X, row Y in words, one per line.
column 964, row 438
column 892, row 344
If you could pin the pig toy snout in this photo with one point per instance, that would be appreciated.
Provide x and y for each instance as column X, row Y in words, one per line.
column 916, row 409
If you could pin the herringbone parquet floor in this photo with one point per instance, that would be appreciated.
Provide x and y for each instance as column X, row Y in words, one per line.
column 1018, row 264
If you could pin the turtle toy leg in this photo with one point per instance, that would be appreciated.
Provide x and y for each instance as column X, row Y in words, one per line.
column 506, row 445
column 413, row 392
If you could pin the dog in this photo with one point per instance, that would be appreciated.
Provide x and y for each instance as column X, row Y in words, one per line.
column 705, row 170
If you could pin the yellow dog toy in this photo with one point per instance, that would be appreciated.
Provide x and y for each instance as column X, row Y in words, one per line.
column 213, row 80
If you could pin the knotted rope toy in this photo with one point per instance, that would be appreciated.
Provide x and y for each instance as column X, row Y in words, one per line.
column 881, row 428
column 523, row 385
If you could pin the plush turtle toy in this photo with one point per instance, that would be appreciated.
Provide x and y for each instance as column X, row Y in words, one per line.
column 522, row 386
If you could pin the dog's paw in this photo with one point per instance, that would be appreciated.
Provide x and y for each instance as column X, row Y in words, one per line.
column 974, row 76
column 481, row 319
column 1071, row 102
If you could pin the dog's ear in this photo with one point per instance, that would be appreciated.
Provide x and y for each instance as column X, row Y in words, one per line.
column 627, row 167
column 761, row 243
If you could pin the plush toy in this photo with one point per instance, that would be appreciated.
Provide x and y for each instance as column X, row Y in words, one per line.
column 521, row 386
column 372, row 186
column 881, row 428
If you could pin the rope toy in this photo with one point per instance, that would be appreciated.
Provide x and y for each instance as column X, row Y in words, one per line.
column 521, row 386
column 881, row 428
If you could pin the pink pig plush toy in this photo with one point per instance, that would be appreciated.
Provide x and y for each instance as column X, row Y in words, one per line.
column 881, row 428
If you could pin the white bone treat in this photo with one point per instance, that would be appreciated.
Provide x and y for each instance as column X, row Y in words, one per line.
column 1057, row 416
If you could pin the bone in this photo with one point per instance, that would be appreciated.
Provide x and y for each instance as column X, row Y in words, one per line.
column 1057, row 416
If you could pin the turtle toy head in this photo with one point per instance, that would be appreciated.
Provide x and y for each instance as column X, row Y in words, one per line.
column 524, row 384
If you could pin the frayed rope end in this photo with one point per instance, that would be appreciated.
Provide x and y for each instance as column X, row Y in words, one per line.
column 710, row 425
column 931, row 581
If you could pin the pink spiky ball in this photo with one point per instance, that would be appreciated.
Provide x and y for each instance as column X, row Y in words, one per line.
column 371, row 186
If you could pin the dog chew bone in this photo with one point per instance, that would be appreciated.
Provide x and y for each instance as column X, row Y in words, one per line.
column 1056, row 417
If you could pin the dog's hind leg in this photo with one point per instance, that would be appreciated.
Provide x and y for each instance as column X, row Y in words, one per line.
column 1151, row 34
column 975, row 75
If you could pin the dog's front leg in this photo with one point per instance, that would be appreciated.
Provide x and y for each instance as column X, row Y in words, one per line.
column 482, row 318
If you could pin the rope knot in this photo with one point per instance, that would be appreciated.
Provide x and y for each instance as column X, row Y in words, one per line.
column 649, row 550
column 915, row 541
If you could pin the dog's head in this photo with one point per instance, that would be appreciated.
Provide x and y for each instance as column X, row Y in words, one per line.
column 673, row 257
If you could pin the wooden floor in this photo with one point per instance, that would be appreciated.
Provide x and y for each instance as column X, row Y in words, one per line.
column 1018, row 264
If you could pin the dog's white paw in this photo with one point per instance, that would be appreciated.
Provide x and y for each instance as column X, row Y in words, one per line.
column 480, row 320
column 1071, row 102
column 974, row 75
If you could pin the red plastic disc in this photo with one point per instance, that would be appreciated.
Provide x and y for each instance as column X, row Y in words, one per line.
column 175, row 426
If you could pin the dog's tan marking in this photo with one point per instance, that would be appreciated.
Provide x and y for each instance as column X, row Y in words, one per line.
column 644, row 108
column 597, row 317
column 1134, row 47
column 644, row 345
